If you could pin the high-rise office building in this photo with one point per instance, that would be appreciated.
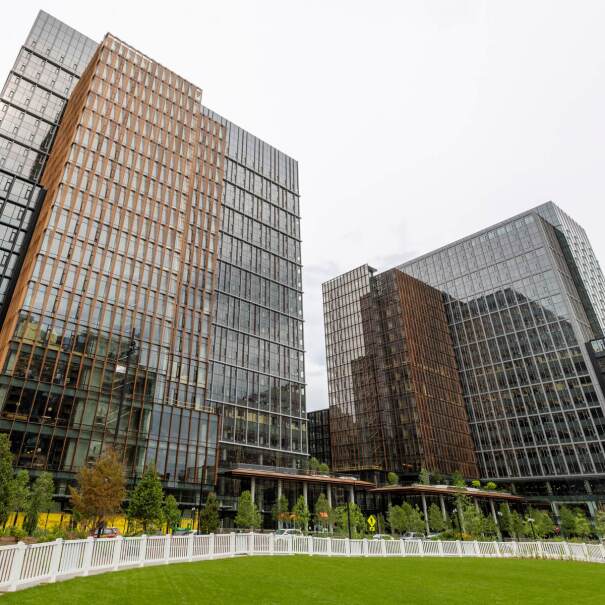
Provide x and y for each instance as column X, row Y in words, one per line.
column 522, row 299
column 156, row 299
column 395, row 396
column 319, row 436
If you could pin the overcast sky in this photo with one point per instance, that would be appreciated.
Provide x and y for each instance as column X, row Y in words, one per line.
column 414, row 122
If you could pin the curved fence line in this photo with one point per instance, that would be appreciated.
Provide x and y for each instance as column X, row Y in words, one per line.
column 23, row 565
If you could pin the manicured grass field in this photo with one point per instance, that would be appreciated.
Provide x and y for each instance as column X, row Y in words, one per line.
column 299, row 579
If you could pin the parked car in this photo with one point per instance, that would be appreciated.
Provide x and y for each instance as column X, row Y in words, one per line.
column 412, row 535
column 106, row 532
column 382, row 537
column 288, row 532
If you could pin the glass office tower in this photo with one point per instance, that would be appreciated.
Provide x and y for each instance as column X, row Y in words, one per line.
column 32, row 101
column 395, row 397
column 520, row 324
column 165, row 251
column 257, row 370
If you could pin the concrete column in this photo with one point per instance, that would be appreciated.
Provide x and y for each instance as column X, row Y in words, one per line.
column 305, row 494
column 592, row 509
column 443, row 511
column 555, row 510
column 253, row 487
column 351, row 494
column 495, row 518
column 426, row 514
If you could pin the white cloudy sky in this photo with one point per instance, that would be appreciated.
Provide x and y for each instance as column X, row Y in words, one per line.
column 414, row 122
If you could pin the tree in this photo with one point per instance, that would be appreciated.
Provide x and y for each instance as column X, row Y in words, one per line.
column 101, row 490
column 568, row 522
column 476, row 483
column 518, row 528
column 19, row 493
column 248, row 516
column 393, row 478
column 340, row 518
column 424, row 477
column 406, row 518
column 322, row 511
column 543, row 524
column 474, row 521
column 437, row 478
column 599, row 523
column 147, row 500
column 313, row 463
column 209, row 518
column 323, row 468
column 6, row 477
column 301, row 515
column 281, row 511
column 458, row 479
column 490, row 485
column 41, row 499
column 172, row 513
column 436, row 521
column 583, row 528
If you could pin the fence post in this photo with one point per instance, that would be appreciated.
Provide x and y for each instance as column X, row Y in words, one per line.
column 87, row 559
column 567, row 550
column 117, row 552
column 15, row 574
column 440, row 547
column 602, row 548
column 143, row 550
column 497, row 547
column 459, row 548
column 211, row 539
column 421, row 548
column 348, row 547
column 515, row 548
column 329, row 549
column 190, row 547
column 167, row 543
column 585, row 549
column 290, row 547
column 476, row 548
column 311, row 545
column 232, row 544
column 383, row 548
column 55, row 558
column 364, row 547
column 251, row 543
column 271, row 543
column 540, row 550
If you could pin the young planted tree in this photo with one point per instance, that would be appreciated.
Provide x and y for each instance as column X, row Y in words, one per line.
column 248, row 515
column 323, row 468
column 543, row 524
column 412, row 519
column 424, row 477
column 396, row 519
column 599, row 523
column 322, row 512
column 313, row 463
column 458, row 479
column 40, row 500
column 209, row 518
column 6, row 477
column 436, row 521
column 281, row 511
column 583, row 527
column 301, row 515
column 172, row 513
column 340, row 518
column 146, row 504
column 474, row 521
column 101, row 490
column 393, row 478
column 19, row 493
column 568, row 522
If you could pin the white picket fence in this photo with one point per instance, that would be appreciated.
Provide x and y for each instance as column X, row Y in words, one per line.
column 24, row 565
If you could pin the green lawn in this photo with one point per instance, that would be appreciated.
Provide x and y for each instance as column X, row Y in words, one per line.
column 300, row 579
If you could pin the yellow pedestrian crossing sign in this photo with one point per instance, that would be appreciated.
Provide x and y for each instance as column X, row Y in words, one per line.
column 371, row 522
